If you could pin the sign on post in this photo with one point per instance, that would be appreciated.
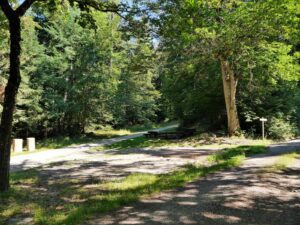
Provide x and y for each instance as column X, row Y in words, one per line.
column 263, row 120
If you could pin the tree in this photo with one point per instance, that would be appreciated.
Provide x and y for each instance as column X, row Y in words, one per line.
column 136, row 97
column 228, row 32
column 28, row 111
column 75, row 72
column 13, row 16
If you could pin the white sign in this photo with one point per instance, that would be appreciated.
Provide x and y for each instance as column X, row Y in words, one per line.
column 263, row 120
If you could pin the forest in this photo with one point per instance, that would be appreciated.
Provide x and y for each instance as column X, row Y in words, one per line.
column 149, row 112
column 82, row 69
column 218, row 66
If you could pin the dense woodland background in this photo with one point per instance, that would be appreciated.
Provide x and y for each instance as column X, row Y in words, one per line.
column 93, row 70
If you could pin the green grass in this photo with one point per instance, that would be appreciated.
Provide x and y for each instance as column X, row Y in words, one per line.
column 282, row 162
column 69, row 202
column 240, row 151
column 195, row 141
column 150, row 126
column 139, row 142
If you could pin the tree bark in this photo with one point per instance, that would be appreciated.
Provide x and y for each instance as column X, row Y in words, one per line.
column 11, row 91
column 230, row 85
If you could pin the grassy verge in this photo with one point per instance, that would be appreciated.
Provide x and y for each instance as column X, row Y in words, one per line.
column 139, row 142
column 150, row 126
column 196, row 141
column 61, row 201
column 282, row 162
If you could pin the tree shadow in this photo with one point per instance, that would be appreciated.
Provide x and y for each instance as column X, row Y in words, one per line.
column 234, row 196
column 74, row 192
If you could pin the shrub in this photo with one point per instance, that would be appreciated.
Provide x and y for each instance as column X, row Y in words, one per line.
column 281, row 128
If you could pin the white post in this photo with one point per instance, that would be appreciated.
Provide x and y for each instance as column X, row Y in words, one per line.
column 30, row 144
column 263, row 120
column 17, row 145
column 263, row 130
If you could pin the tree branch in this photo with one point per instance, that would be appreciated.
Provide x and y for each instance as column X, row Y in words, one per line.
column 7, row 9
column 21, row 10
column 98, row 5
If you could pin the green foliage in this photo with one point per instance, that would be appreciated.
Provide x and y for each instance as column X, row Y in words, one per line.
column 137, row 96
column 73, row 74
column 78, row 72
column 262, row 56
column 281, row 128
column 29, row 111
column 82, row 69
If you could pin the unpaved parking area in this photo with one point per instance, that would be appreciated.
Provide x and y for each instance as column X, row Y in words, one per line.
column 71, row 153
column 239, row 196
column 114, row 164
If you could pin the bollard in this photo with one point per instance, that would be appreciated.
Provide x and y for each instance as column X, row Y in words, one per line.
column 30, row 144
column 17, row 145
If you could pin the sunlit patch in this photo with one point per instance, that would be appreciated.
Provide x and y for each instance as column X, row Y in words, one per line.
column 192, row 191
column 228, row 219
column 246, row 203
column 132, row 221
column 152, row 201
column 187, row 203
column 185, row 195
column 186, row 220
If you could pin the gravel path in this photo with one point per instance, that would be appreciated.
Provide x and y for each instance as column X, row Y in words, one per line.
column 241, row 196
column 63, row 155
column 85, row 165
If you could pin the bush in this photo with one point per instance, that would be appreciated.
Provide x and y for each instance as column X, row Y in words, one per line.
column 281, row 128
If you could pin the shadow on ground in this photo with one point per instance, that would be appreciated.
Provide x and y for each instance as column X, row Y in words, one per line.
column 239, row 196
column 115, row 164
column 67, row 191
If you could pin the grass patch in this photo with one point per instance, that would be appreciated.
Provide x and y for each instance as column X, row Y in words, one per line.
column 241, row 152
column 63, row 201
column 139, row 142
column 282, row 162
column 150, row 126
column 195, row 141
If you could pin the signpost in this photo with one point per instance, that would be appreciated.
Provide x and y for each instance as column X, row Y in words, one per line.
column 263, row 120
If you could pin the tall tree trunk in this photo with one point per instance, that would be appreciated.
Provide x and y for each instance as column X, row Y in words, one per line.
column 230, row 85
column 11, row 91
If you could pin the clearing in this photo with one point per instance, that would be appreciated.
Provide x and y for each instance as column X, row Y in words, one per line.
column 73, row 185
